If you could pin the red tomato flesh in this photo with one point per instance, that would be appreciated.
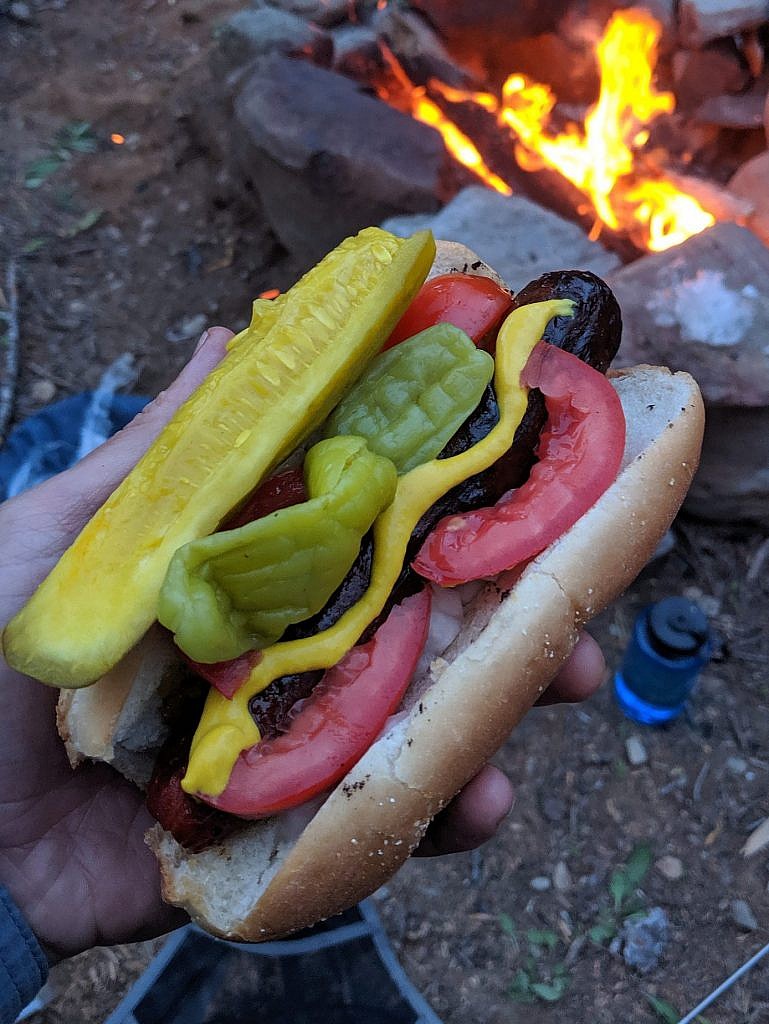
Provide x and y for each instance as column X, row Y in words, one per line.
column 335, row 726
column 580, row 452
column 226, row 676
column 475, row 304
column 280, row 491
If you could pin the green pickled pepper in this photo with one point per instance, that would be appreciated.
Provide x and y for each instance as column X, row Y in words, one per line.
column 414, row 397
column 239, row 590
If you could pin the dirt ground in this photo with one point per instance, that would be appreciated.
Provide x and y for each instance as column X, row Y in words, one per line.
column 134, row 247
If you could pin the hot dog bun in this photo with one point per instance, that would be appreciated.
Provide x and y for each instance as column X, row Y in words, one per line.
column 283, row 874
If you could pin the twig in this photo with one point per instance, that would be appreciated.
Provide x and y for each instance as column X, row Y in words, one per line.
column 757, row 562
column 699, row 781
column 9, row 344
column 708, row 1000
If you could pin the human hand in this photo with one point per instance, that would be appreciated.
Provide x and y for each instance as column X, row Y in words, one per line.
column 475, row 814
column 72, row 849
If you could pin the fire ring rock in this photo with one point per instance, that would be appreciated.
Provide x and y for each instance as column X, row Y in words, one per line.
column 326, row 159
column 703, row 306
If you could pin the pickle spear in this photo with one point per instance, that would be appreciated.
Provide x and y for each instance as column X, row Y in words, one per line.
column 247, row 416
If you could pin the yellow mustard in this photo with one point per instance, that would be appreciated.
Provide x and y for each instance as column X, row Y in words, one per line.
column 226, row 726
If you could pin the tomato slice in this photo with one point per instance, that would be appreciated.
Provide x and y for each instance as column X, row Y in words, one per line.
column 226, row 676
column 279, row 491
column 475, row 304
column 335, row 725
column 580, row 452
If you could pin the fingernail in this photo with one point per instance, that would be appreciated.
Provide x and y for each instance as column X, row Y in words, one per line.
column 203, row 339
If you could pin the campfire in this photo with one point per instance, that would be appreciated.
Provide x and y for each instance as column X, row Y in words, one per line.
column 604, row 157
column 618, row 142
column 613, row 139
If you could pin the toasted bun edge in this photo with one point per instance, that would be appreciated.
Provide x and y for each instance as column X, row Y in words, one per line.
column 377, row 815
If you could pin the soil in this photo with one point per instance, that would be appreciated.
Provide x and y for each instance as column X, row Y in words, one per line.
column 133, row 248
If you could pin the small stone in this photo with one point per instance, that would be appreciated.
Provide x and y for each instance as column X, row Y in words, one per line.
column 540, row 884
column 42, row 392
column 562, row 877
column 670, row 868
column 636, row 751
column 21, row 12
column 743, row 916
column 553, row 808
column 645, row 940
column 737, row 765
column 188, row 327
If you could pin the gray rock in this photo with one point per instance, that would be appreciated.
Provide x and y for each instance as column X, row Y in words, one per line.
column 540, row 884
column 357, row 52
column 732, row 483
column 645, row 940
column 21, row 12
column 670, row 867
column 704, row 307
column 743, row 916
column 751, row 182
column 250, row 35
column 519, row 239
column 636, row 751
column 320, row 12
column 326, row 159
column 413, row 40
column 703, row 20
column 562, row 877
column 554, row 808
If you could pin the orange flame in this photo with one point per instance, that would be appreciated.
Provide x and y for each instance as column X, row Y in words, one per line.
column 457, row 143
column 600, row 159
column 423, row 109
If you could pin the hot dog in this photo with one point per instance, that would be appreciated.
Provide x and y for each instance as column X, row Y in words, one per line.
column 457, row 710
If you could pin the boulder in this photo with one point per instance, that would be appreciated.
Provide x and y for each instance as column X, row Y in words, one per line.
column 325, row 159
column 700, row 21
column 253, row 34
column 751, row 182
column 704, row 307
column 319, row 12
column 519, row 239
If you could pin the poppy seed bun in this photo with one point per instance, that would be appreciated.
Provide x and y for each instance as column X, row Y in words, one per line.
column 285, row 873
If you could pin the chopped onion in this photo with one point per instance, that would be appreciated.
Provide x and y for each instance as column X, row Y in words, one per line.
column 446, row 617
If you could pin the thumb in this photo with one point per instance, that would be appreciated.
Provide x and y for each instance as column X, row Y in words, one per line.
column 98, row 474
column 61, row 506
